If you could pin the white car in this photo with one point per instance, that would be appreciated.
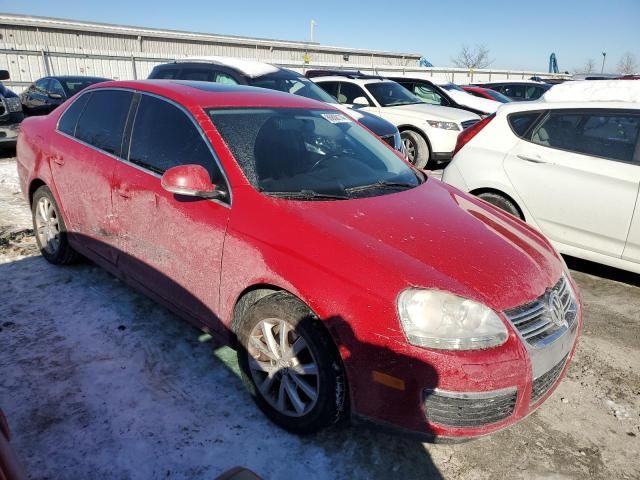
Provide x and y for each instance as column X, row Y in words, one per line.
column 428, row 132
column 465, row 98
column 571, row 169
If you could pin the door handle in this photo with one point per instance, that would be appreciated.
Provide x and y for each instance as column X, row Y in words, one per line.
column 123, row 192
column 531, row 159
column 57, row 159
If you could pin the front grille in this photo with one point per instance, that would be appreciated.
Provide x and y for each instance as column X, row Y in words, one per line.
column 390, row 140
column 544, row 382
column 548, row 317
column 468, row 409
column 469, row 123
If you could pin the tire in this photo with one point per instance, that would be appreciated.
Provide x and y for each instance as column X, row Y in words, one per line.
column 322, row 396
column 51, row 232
column 416, row 148
column 502, row 203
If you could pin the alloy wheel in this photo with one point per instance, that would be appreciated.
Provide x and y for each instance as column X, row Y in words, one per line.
column 47, row 226
column 410, row 149
column 283, row 367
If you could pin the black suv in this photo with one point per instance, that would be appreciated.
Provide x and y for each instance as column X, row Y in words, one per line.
column 10, row 114
column 518, row 91
column 263, row 75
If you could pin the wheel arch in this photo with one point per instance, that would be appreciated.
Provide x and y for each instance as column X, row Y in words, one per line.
column 413, row 128
column 35, row 184
column 496, row 191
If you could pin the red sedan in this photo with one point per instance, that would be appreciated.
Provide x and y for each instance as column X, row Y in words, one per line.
column 486, row 93
column 350, row 283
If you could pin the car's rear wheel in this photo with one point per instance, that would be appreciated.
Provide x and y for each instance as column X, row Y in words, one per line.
column 416, row 148
column 502, row 203
column 50, row 230
column 290, row 365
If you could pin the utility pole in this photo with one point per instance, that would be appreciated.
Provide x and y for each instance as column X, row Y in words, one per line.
column 604, row 57
column 312, row 27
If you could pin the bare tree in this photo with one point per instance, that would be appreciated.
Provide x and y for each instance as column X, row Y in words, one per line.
column 628, row 64
column 473, row 58
column 589, row 66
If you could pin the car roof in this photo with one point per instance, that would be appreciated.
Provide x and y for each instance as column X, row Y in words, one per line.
column 517, row 82
column 410, row 79
column 359, row 81
column 73, row 77
column 211, row 94
column 542, row 105
column 250, row 68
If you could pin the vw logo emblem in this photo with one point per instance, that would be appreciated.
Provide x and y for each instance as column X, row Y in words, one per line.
column 556, row 310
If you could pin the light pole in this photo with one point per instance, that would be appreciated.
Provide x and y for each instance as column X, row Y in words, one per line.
column 604, row 57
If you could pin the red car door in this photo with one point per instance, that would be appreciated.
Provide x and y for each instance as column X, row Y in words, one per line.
column 84, row 154
column 171, row 245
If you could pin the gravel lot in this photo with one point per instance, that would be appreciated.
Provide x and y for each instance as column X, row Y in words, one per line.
column 99, row 382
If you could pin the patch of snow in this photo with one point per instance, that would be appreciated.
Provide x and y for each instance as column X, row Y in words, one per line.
column 468, row 100
column 595, row 91
column 251, row 68
column 15, row 214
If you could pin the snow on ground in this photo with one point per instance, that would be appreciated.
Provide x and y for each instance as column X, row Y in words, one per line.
column 13, row 214
column 595, row 91
column 100, row 382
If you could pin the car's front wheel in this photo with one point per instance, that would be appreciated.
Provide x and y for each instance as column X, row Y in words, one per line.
column 290, row 365
column 416, row 148
column 50, row 230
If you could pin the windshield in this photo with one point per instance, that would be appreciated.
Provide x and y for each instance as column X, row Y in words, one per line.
column 308, row 154
column 452, row 86
column 497, row 96
column 73, row 86
column 292, row 84
column 391, row 94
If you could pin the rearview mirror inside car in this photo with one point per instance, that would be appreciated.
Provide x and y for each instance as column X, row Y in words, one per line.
column 4, row 74
column 192, row 181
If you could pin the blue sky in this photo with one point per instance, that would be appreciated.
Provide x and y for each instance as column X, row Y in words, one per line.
column 519, row 34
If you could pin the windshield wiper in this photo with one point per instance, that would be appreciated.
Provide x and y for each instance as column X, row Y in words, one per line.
column 381, row 184
column 309, row 195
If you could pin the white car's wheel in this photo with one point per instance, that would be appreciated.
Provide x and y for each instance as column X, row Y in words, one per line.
column 416, row 148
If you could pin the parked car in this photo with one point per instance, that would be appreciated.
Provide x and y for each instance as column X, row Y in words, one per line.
column 281, row 225
column 488, row 106
column 486, row 93
column 428, row 132
column 518, row 91
column 46, row 94
column 431, row 93
column 258, row 74
column 10, row 466
column 571, row 169
column 10, row 114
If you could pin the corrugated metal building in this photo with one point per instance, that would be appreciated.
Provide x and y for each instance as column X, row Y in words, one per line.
column 31, row 47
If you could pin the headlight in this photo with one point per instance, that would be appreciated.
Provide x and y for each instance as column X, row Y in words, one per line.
column 443, row 125
column 435, row 319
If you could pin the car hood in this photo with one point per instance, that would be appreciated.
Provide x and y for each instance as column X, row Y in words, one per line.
column 435, row 236
column 425, row 110
column 468, row 100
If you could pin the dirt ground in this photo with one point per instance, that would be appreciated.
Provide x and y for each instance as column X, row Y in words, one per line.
column 99, row 382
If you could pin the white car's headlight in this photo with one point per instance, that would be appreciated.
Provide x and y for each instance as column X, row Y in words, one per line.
column 443, row 125
column 436, row 319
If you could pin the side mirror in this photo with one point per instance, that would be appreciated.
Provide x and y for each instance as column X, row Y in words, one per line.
column 55, row 96
column 360, row 102
column 190, row 180
column 4, row 74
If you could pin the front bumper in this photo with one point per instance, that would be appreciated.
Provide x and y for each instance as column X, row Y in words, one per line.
column 457, row 396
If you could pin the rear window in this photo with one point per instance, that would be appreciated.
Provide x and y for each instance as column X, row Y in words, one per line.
column 69, row 119
column 102, row 122
column 520, row 123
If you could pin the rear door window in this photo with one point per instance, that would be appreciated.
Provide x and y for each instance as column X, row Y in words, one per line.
column 198, row 74
column 513, row 91
column 330, row 87
column 103, row 120
column 163, row 136
column 612, row 135
column 166, row 74
column 428, row 94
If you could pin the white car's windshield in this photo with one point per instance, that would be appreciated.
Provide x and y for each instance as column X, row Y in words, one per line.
column 391, row 94
column 310, row 154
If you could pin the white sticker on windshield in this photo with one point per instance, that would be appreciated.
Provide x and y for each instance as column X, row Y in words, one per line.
column 336, row 118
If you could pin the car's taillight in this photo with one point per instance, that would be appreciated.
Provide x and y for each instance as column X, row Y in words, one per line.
column 465, row 136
